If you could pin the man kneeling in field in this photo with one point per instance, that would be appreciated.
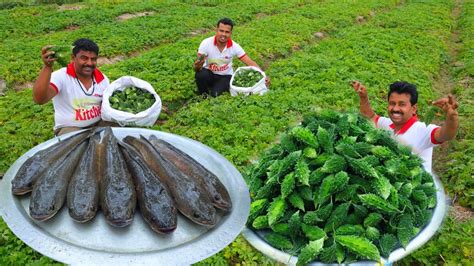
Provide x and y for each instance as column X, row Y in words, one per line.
column 214, row 64
column 403, row 121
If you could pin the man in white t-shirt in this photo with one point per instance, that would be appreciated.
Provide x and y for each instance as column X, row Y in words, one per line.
column 214, row 64
column 76, row 90
column 403, row 122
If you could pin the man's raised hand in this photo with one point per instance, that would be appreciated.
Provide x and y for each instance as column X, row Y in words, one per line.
column 448, row 104
column 359, row 88
column 47, row 55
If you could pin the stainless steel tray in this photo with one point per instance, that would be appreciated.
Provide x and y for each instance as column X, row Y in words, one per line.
column 97, row 243
column 255, row 238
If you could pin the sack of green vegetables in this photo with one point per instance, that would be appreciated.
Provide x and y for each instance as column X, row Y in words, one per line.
column 130, row 101
column 248, row 80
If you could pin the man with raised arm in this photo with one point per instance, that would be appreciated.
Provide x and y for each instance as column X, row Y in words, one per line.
column 214, row 64
column 76, row 90
column 403, row 121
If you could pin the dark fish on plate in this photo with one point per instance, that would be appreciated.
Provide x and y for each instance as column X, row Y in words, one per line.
column 99, row 162
column 117, row 192
column 99, row 157
column 189, row 166
column 190, row 199
column 154, row 201
column 36, row 165
column 49, row 192
column 83, row 188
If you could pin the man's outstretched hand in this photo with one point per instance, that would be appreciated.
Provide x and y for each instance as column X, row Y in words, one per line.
column 359, row 89
column 47, row 56
column 448, row 104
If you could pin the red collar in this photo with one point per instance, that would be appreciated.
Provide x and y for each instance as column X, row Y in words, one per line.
column 407, row 125
column 229, row 42
column 98, row 76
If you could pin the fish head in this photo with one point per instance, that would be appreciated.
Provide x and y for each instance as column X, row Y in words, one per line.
column 21, row 187
column 130, row 140
column 119, row 222
column 221, row 203
column 41, row 212
column 205, row 214
column 164, row 225
column 153, row 137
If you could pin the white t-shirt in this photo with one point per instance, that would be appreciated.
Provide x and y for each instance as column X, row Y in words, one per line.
column 74, row 106
column 415, row 134
column 218, row 62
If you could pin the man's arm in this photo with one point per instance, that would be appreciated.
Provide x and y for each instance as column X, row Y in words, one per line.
column 248, row 61
column 42, row 90
column 450, row 127
column 365, row 108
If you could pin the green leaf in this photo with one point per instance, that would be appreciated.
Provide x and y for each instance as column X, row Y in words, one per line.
column 279, row 241
column 310, row 251
column 302, row 172
column 296, row 201
column 276, row 210
column 313, row 232
column 360, row 246
column 288, row 185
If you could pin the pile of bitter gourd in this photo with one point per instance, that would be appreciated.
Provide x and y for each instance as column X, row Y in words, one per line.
column 336, row 189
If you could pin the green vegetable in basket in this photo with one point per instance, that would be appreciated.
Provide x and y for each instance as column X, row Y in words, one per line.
column 131, row 100
column 246, row 78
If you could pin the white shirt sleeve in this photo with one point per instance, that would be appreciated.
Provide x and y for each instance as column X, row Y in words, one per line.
column 383, row 122
column 426, row 134
column 203, row 48
column 57, row 79
column 238, row 51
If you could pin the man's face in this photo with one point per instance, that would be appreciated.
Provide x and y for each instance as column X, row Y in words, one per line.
column 85, row 62
column 223, row 33
column 400, row 109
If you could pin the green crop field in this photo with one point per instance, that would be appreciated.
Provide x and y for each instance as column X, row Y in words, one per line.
column 310, row 49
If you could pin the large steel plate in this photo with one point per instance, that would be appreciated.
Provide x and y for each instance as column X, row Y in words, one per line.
column 256, row 238
column 98, row 243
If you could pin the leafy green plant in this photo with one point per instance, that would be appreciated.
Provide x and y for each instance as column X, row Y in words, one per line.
column 453, row 245
column 98, row 21
column 14, row 252
column 238, row 252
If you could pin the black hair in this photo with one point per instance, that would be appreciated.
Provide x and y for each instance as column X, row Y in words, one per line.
column 226, row 21
column 84, row 45
column 404, row 87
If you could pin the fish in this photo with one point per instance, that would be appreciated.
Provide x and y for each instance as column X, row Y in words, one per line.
column 32, row 169
column 99, row 162
column 189, row 166
column 49, row 192
column 189, row 197
column 117, row 192
column 83, row 189
column 154, row 201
